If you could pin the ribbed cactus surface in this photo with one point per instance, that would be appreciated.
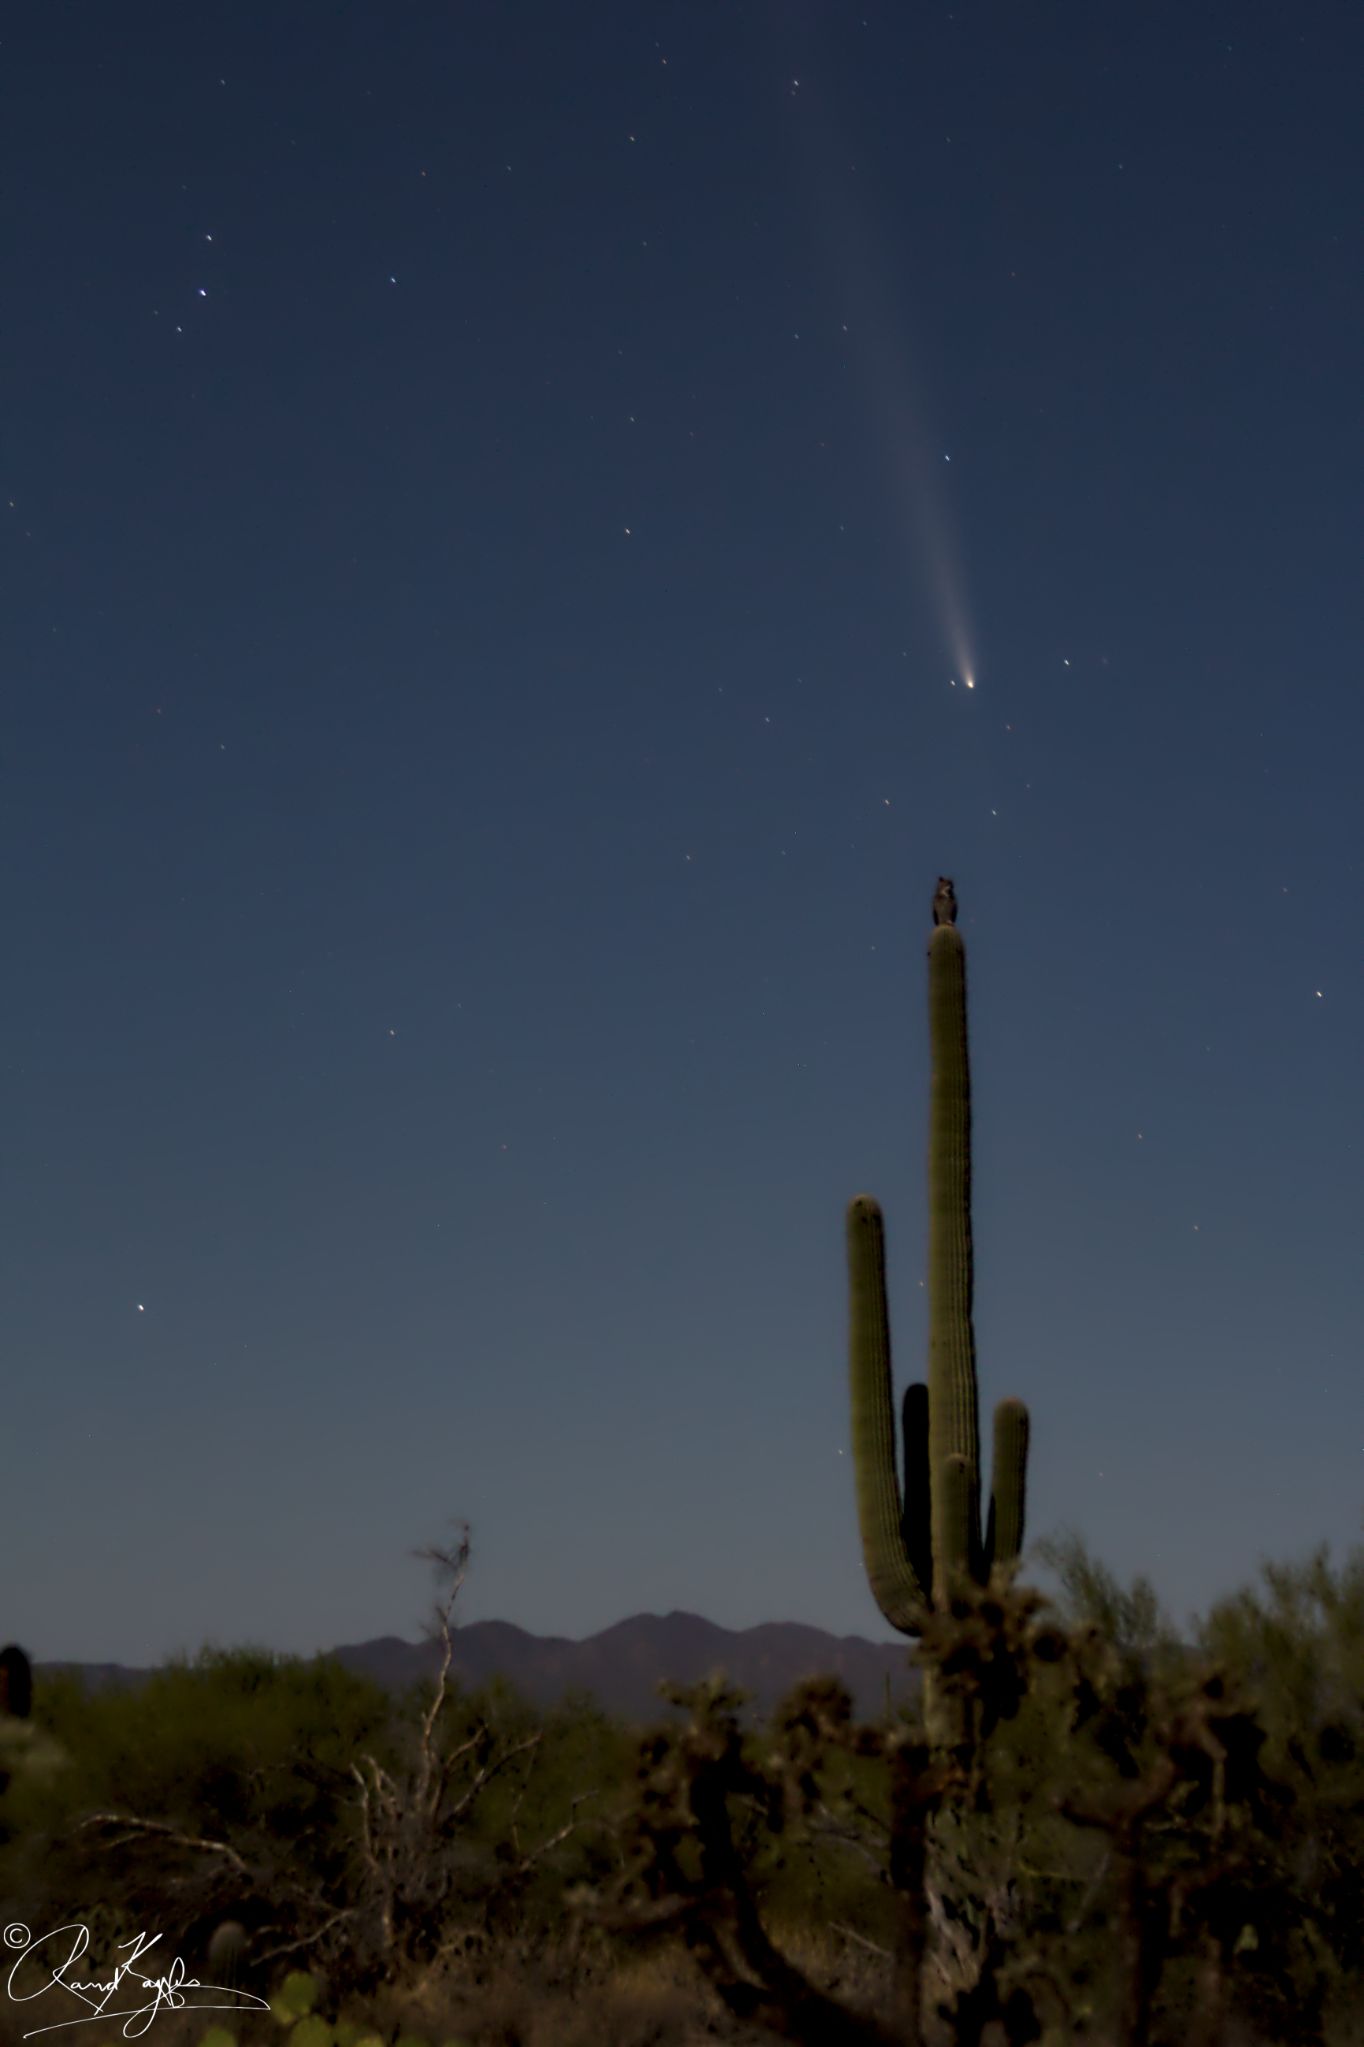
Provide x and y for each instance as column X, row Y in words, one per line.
column 918, row 1542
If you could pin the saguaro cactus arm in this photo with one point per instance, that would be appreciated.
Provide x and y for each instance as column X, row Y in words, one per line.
column 1004, row 1535
column 895, row 1534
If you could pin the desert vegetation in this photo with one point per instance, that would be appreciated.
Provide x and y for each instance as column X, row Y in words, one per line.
column 1133, row 1841
column 1082, row 1830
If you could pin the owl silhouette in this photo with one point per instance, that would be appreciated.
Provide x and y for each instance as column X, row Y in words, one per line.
column 945, row 901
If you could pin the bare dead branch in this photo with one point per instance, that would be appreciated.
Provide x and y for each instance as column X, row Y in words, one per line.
column 307, row 1940
column 164, row 1832
column 488, row 1771
column 850, row 1933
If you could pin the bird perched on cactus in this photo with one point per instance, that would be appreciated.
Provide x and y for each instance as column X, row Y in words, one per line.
column 919, row 1544
column 945, row 901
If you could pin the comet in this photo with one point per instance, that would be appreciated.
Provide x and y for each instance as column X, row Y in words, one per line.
column 865, row 266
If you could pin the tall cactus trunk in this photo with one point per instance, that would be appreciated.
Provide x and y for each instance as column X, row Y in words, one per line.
column 953, row 1422
column 953, row 1429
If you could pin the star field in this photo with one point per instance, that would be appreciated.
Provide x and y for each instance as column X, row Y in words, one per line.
column 529, row 539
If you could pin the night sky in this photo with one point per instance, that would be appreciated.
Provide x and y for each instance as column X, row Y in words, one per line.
column 532, row 536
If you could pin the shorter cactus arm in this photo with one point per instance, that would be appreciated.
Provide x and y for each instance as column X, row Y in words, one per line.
column 916, row 1522
column 1008, row 1495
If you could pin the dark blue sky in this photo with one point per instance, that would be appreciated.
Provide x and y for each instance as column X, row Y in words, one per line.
column 501, row 508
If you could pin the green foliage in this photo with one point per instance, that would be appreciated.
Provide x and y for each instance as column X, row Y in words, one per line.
column 1303, row 1645
column 30, row 1762
column 1110, row 1793
column 241, row 1747
column 312, row 2031
column 296, row 1997
column 222, row 1798
column 236, row 1738
column 1131, row 1618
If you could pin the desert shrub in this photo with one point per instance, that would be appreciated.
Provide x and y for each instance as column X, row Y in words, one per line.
column 1250, row 1855
column 1113, row 1841
column 240, row 1748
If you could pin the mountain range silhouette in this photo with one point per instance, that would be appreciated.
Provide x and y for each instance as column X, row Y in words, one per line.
column 621, row 1666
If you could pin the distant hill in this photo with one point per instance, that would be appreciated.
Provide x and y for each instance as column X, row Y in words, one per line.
column 622, row 1666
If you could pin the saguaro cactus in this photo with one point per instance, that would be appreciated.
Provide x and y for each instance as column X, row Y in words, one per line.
column 918, row 1545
